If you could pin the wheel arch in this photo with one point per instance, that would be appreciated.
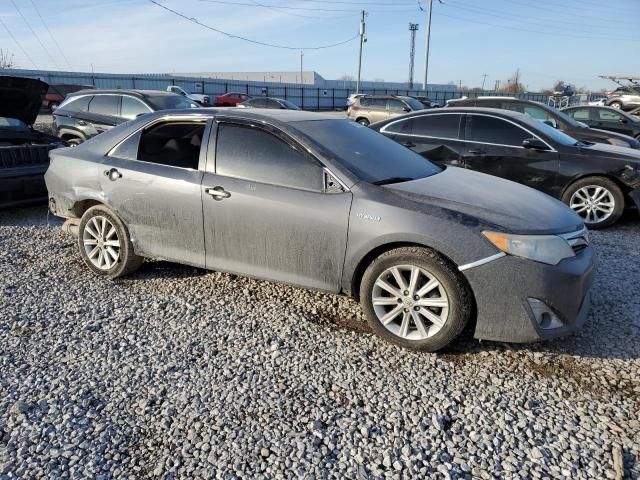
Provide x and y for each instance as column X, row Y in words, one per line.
column 81, row 206
column 371, row 255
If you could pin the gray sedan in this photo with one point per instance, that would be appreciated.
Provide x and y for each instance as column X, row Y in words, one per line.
column 328, row 204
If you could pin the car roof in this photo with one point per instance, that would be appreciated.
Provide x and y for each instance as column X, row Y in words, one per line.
column 262, row 114
column 121, row 91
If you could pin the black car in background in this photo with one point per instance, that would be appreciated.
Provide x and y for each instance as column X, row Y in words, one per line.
column 606, row 118
column 597, row 181
column 87, row 113
column 269, row 102
column 550, row 116
column 24, row 151
column 427, row 102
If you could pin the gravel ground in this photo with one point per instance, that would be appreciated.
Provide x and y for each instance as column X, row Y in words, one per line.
column 177, row 372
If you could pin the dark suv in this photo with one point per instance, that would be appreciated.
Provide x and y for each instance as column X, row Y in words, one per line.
column 550, row 116
column 87, row 113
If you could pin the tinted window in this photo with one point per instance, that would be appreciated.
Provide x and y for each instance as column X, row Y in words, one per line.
column 78, row 105
column 369, row 155
column 290, row 105
column 396, row 105
column 253, row 154
column 272, row 104
column 172, row 143
column 495, row 130
column 533, row 111
column 132, row 107
column 581, row 114
column 105, row 105
column 608, row 116
column 167, row 102
column 259, row 103
column 440, row 126
column 414, row 104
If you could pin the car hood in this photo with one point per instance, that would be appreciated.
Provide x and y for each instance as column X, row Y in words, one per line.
column 595, row 134
column 21, row 98
column 613, row 151
column 494, row 202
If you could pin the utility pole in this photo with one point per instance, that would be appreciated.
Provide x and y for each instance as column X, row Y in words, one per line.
column 484, row 77
column 413, row 27
column 426, row 44
column 301, row 77
column 362, row 40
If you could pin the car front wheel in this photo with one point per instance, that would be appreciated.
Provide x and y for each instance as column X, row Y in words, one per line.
column 363, row 121
column 598, row 201
column 104, row 243
column 616, row 105
column 414, row 298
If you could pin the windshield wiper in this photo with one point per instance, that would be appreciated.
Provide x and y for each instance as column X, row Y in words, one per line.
column 387, row 181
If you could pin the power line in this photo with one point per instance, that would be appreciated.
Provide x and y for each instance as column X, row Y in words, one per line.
column 318, row 9
column 544, row 24
column 24, row 52
column 520, row 29
column 556, row 10
column 51, row 34
column 282, row 10
column 257, row 42
column 35, row 34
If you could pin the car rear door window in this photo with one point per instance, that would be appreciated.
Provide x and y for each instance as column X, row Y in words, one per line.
column 444, row 126
column 581, row 114
column 105, row 105
column 132, row 107
column 250, row 153
column 493, row 130
column 259, row 103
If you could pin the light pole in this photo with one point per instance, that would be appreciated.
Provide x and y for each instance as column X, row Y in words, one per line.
column 426, row 44
column 301, row 77
column 362, row 40
column 484, row 77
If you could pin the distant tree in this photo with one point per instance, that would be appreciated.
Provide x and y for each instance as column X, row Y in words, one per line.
column 514, row 84
column 6, row 60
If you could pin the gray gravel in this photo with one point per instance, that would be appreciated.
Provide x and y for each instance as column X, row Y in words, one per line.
column 178, row 372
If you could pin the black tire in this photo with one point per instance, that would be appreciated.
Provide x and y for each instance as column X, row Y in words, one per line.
column 616, row 104
column 457, row 291
column 606, row 183
column 363, row 121
column 127, row 261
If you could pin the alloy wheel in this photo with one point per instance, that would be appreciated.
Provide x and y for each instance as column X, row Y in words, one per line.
column 101, row 242
column 410, row 302
column 593, row 203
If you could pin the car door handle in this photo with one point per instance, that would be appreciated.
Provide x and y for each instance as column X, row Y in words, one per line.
column 218, row 193
column 113, row 174
column 477, row 151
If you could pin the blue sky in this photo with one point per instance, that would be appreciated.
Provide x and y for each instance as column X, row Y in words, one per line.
column 572, row 40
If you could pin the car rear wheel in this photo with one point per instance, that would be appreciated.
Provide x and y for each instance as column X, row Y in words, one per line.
column 363, row 121
column 617, row 105
column 414, row 298
column 104, row 243
column 598, row 201
column 73, row 141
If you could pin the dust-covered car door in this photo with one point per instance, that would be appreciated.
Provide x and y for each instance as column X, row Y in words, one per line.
column 152, row 180
column 436, row 137
column 271, row 210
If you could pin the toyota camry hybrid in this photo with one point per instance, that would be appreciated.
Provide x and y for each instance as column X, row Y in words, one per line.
column 329, row 204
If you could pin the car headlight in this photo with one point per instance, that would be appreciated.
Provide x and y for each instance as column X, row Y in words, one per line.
column 550, row 249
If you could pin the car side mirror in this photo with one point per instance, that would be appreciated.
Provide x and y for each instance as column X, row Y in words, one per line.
column 624, row 120
column 534, row 144
column 406, row 109
column 54, row 107
column 550, row 123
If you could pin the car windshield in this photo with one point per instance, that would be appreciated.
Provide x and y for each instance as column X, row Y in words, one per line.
column 556, row 135
column 168, row 102
column 414, row 104
column 8, row 122
column 366, row 153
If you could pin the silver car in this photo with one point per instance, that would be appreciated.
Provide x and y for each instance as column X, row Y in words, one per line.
column 328, row 204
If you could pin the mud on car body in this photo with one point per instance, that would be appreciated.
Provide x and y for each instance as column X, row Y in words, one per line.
column 328, row 204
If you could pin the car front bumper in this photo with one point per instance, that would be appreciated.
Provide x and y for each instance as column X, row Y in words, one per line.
column 505, row 288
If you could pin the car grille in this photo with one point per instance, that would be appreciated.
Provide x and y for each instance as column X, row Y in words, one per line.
column 578, row 240
column 24, row 155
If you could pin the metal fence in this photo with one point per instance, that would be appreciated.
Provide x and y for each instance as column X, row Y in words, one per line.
column 307, row 97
